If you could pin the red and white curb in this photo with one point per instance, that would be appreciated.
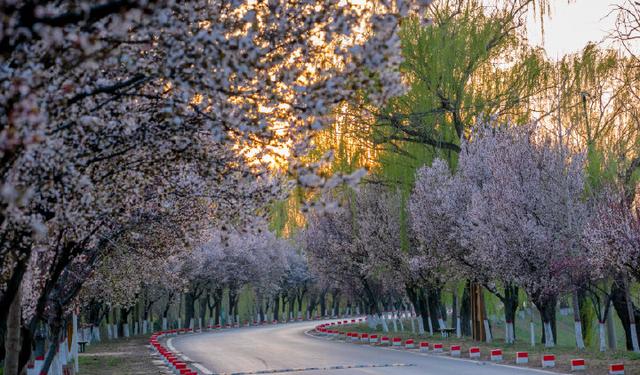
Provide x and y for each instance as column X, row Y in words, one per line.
column 548, row 361
column 496, row 358
column 474, row 352
column 616, row 369
column 522, row 358
column 578, row 364
column 454, row 350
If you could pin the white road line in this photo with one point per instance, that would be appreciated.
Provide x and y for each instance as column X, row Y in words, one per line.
column 442, row 356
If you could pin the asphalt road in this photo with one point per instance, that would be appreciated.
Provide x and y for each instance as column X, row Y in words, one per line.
column 286, row 347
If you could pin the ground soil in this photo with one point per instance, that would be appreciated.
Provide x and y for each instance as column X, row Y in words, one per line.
column 126, row 356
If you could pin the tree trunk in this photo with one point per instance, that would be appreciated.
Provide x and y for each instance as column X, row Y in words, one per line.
column 323, row 304
column 217, row 297
column 618, row 297
column 455, row 317
column 335, row 304
column 611, row 330
column 300, row 298
column 12, row 337
column 276, row 308
column 547, row 308
column 576, row 319
column 424, row 308
column 632, row 316
column 465, row 310
column 203, row 311
column 510, row 302
column 189, row 309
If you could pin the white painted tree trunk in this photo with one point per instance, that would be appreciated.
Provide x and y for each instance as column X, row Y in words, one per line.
column 395, row 325
column 413, row 325
column 578, row 331
column 612, row 340
column 634, row 338
column 357, row 310
column 420, row 325
column 238, row 319
column 125, row 330
column 441, row 324
column 145, row 326
column 115, row 331
column 179, row 322
column 487, row 330
column 632, row 318
column 95, row 334
column 109, row 333
column 532, row 330
column 401, row 325
column 136, row 327
column 372, row 321
column 86, row 335
column 458, row 327
column 509, row 334
column 548, row 335
column 601, row 335
column 385, row 327
column 577, row 324
column 74, row 343
column 430, row 325
column 164, row 324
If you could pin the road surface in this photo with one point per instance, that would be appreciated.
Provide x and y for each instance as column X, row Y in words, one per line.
column 288, row 348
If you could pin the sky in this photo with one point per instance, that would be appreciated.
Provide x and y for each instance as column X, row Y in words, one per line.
column 570, row 26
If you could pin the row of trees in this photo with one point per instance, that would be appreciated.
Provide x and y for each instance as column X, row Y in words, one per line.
column 516, row 213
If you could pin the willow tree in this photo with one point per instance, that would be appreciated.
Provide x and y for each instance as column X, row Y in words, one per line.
column 466, row 65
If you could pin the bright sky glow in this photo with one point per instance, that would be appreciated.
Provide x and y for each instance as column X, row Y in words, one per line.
column 570, row 26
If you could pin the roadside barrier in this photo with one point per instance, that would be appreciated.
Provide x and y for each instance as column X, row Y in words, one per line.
column 496, row 355
column 616, row 369
column 177, row 366
column 548, row 360
column 522, row 358
column 474, row 352
column 409, row 344
column 578, row 364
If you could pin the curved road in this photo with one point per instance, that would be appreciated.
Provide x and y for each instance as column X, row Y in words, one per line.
column 287, row 348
